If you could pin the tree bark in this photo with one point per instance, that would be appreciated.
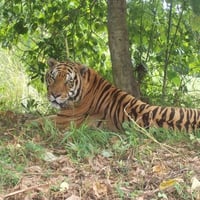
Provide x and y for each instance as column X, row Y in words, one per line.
column 122, row 67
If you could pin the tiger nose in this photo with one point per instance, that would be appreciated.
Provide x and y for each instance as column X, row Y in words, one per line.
column 55, row 95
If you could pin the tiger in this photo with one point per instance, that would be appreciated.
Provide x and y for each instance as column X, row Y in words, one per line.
column 84, row 96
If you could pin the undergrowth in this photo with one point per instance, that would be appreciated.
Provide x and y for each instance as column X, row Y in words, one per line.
column 30, row 145
column 16, row 93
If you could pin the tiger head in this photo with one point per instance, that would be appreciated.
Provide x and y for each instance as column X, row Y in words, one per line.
column 64, row 83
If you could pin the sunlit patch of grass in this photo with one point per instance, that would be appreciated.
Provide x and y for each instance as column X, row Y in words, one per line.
column 15, row 91
column 85, row 142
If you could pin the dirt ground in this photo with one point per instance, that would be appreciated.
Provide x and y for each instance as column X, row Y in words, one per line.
column 147, row 171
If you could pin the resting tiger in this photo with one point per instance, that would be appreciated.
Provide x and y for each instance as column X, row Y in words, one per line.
column 83, row 95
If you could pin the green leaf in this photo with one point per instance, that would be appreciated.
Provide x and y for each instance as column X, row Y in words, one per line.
column 20, row 27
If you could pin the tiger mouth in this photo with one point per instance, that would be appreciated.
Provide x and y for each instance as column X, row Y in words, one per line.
column 58, row 105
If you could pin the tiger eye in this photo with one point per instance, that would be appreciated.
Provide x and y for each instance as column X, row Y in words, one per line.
column 70, row 83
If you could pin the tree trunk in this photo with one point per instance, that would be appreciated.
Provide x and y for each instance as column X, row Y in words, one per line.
column 119, row 48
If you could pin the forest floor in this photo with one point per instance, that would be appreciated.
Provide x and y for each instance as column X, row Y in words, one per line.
column 39, row 164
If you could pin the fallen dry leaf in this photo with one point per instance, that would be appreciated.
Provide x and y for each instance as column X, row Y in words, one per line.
column 49, row 156
column 34, row 195
column 195, row 184
column 73, row 197
column 33, row 169
column 64, row 186
column 139, row 198
column 159, row 169
column 169, row 183
column 99, row 188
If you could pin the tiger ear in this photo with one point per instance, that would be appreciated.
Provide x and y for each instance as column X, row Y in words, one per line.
column 83, row 70
column 52, row 62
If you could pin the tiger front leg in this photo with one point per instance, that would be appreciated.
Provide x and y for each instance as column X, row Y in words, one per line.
column 64, row 122
column 60, row 122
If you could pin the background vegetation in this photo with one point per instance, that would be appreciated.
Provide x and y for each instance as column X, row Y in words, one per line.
column 164, row 38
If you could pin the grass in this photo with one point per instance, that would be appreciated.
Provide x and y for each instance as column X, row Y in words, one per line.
column 124, row 160
column 15, row 91
column 15, row 156
column 11, row 164
column 85, row 142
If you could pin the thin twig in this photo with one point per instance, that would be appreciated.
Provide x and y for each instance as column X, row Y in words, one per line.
column 25, row 190
column 144, row 131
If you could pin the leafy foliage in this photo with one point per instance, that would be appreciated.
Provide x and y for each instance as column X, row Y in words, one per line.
column 16, row 94
column 195, row 6
column 165, row 47
column 59, row 29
